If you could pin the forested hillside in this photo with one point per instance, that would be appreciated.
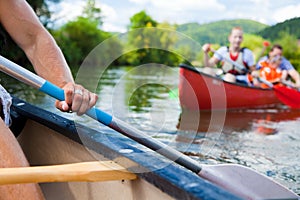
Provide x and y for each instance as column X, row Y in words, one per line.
column 217, row 32
column 292, row 27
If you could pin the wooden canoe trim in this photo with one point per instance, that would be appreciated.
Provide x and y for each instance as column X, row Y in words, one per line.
column 79, row 172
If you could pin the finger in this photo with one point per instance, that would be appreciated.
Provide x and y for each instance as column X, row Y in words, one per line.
column 69, row 93
column 77, row 99
column 92, row 99
column 85, row 103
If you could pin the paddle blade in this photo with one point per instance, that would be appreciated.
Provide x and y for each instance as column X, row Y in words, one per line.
column 245, row 182
column 288, row 96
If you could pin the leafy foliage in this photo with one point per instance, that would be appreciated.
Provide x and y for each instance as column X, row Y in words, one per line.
column 144, row 34
column 92, row 12
column 78, row 38
column 141, row 20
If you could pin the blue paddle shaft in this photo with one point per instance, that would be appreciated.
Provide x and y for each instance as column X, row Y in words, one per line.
column 59, row 94
column 53, row 91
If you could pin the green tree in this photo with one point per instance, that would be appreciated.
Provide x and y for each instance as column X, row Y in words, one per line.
column 141, row 20
column 92, row 12
column 146, row 33
column 78, row 38
column 140, row 37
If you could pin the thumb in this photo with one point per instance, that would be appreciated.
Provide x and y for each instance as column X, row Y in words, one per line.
column 62, row 105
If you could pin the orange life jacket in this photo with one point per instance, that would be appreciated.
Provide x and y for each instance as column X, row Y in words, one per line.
column 269, row 73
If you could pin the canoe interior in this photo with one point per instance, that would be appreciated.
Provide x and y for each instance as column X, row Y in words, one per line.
column 47, row 138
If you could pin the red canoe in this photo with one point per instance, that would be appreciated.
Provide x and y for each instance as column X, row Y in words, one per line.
column 199, row 91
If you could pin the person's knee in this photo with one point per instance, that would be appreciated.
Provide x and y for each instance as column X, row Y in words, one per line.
column 208, row 70
column 229, row 78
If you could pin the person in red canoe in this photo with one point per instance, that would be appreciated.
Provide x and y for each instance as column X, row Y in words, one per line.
column 277, row 50
column 234, row 52
column 270, row 70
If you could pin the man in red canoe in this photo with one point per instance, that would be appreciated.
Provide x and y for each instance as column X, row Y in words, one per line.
column 277, row 50
column 242, row 59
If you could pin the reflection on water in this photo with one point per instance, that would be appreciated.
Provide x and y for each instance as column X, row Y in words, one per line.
column 265, row 140
column 262, row 121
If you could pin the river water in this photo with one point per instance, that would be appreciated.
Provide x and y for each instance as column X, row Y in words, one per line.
column 266, row 140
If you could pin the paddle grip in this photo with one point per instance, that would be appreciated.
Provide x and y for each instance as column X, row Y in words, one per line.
column 53, row 91
column 59, row 94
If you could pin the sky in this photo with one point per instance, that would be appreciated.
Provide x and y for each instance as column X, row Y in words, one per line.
column 117, row 13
